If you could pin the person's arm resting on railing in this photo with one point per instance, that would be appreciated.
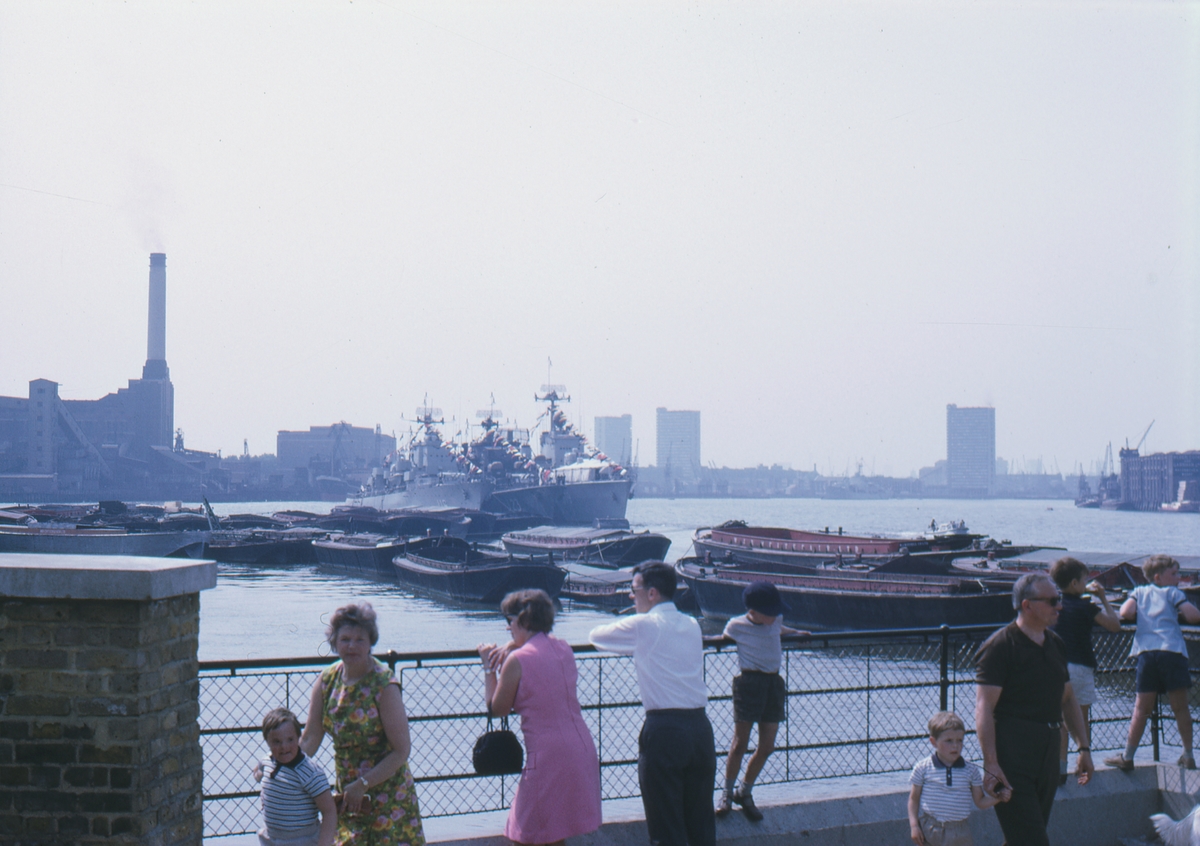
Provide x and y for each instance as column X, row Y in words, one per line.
column 619, row 637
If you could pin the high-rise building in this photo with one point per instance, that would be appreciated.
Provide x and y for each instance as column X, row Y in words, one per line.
column 614, row 438
column 678, row 443
column 970, row 450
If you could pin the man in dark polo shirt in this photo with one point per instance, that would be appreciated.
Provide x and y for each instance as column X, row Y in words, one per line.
column 1022, row 695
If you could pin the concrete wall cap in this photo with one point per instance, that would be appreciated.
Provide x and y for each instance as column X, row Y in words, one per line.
column 33, row 576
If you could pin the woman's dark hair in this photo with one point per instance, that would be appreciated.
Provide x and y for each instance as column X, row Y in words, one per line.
column 361, row 615
column 531, row 608
column 279, row 717
column 658, row 575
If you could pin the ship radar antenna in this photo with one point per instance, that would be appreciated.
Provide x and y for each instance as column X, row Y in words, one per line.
column 429, row 415
column 489, row 415
column 554, row 394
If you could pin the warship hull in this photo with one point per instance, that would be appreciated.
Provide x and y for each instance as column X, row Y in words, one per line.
column 569, row 504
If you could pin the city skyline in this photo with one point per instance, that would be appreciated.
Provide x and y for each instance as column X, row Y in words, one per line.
column 818, row 224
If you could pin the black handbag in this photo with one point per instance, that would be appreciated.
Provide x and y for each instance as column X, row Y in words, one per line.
column 498, row 752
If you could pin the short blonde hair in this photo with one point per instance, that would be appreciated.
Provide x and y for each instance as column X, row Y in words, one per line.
column 944, row 721
column 1156, row 564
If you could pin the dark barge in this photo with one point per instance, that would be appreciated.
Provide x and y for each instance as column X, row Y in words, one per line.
column 832, row 599
column 455, row 569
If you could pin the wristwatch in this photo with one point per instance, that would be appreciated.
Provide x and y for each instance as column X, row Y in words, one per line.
column 1084, row 749
column 363, row 781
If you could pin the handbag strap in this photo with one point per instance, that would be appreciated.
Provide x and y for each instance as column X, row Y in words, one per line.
column 503, row 720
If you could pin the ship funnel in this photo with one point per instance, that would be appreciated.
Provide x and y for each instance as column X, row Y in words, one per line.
column 156, row 336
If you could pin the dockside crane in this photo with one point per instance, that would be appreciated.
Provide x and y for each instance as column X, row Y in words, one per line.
column 1144, row 434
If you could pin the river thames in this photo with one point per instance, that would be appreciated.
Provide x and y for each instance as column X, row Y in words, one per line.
column 257, row 612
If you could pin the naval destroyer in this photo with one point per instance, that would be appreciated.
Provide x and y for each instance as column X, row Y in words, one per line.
column 567, row 483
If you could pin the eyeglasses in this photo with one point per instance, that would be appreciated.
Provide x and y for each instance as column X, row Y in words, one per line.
column 1049, row 600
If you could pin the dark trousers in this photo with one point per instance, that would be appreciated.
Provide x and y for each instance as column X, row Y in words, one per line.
column 677, row 762
column 1028, row 754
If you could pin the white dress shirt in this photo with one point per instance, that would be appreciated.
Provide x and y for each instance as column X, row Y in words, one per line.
column 667, row 651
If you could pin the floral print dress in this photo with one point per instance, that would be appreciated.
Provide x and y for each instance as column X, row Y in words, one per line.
column 392, row 817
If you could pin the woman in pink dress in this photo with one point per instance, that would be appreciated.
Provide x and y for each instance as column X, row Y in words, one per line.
column 559, row 793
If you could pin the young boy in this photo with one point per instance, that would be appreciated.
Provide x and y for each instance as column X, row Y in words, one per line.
column 294, row 789
column 945, row 786
column 1162, row 665
column 759, row 692
column 1078, row 616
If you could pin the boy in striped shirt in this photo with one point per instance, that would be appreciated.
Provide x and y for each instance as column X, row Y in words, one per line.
column 294, row 789
column 946, row 788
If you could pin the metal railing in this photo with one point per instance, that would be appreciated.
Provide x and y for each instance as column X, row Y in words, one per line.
column 857, row 704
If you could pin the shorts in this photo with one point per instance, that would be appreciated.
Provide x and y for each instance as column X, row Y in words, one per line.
column 1161, row 672
column 938, row 833
column 1083, row 682
column 294, row 837
column 759, row 697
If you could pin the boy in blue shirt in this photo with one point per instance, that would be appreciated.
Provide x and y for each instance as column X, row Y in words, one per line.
column 1162, row 665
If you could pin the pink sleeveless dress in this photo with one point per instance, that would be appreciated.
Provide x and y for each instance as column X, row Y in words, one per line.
column 559, row 792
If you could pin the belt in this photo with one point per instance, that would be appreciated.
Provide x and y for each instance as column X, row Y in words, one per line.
column 758, row 672
column 673, row 712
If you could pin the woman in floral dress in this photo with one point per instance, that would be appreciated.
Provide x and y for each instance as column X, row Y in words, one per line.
column 357, row 701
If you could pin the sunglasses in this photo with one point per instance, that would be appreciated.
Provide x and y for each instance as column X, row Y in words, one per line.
column 1049, row 600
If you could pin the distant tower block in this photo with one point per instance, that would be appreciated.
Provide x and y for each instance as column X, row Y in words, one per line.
column 156, row 336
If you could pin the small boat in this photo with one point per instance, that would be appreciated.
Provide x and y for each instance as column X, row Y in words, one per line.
column 597, row 585
column 735, row 541
column 832, row 600
column 363, row 554
column 455, row 569
column 599, row 546
column 68, row 540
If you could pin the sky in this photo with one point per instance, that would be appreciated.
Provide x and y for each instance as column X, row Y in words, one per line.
column 817, row 223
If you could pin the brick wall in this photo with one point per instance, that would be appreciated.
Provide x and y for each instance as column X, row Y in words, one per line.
column 99, row 740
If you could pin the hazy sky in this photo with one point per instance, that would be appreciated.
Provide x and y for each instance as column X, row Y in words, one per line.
column 816, row 222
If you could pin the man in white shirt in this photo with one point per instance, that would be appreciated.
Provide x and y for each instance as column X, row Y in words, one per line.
column 677, row 760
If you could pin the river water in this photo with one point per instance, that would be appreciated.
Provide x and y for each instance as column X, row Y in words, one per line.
column 281, row 612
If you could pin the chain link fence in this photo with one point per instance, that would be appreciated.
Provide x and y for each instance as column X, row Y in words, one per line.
column 857, row 704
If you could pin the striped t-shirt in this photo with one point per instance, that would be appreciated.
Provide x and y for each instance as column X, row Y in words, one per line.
column 287, row 796
column 946, row 802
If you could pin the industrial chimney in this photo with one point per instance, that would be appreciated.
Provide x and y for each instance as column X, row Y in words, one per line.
column 156, row 338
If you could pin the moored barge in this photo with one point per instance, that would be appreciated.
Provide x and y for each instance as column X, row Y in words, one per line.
column 452, row 568
column 831, row 600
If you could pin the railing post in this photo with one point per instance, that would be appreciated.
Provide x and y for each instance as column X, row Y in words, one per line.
column 944, row 681
column 1155, row 726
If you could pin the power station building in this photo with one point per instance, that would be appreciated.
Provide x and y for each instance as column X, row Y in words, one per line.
column 970, row 451
column 118, row 445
